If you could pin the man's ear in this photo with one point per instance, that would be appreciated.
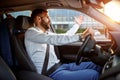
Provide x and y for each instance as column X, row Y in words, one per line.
column 38, row 18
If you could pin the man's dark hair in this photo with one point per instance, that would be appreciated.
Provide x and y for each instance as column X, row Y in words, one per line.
column 36, row 12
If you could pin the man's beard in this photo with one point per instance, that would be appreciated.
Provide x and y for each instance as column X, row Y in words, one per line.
column 45, row 25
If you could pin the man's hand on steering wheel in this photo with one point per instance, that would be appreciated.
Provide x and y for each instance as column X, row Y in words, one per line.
column 86, row 47
column 87, row 32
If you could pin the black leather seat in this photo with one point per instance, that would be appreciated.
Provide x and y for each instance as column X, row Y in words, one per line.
column 27, row 67
column 5, row 72
column 5, row 48
column 6, row 61
column 24, row 61
column 5, row 52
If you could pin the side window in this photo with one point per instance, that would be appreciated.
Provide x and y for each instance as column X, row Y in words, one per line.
column 15, row 14
column 63, row 20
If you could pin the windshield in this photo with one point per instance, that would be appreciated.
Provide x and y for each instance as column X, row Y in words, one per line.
column 63, row 19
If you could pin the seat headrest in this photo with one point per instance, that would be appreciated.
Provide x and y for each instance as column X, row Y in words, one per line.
column 22, row 22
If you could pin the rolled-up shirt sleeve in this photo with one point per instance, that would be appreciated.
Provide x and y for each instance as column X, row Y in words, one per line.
column 73, row 30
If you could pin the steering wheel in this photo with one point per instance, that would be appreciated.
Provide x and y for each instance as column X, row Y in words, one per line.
column 85, row 48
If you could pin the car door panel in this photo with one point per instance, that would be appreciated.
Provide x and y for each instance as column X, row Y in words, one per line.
column 68, row 52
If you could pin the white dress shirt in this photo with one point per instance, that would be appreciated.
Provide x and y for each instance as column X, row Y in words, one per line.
column 36, row 43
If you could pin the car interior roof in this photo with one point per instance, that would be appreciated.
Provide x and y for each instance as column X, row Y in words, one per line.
column 86, row 6
column 17, row 5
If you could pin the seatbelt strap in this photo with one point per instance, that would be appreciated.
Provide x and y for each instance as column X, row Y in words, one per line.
column 55, row 47
column 45, row 65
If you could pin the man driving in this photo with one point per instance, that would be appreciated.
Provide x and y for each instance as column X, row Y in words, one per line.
column 39, row 36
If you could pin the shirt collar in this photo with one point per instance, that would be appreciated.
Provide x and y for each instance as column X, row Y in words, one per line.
column 41, row 30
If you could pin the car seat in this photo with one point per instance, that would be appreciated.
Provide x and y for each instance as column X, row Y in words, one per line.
column 5, row 71
column 6, row 60
column 5, row 44
column 24, row 61
column 7, row 74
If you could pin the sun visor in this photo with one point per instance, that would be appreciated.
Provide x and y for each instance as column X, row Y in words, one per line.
column 74, row 3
